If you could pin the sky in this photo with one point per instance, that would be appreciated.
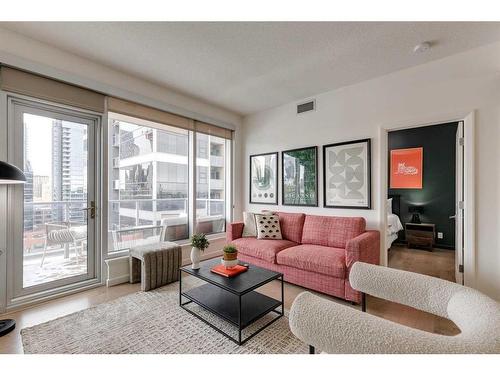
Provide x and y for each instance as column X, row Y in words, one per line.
column 38, row 129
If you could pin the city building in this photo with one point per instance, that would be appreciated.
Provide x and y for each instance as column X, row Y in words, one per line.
column 149, row 187
column 69, row 171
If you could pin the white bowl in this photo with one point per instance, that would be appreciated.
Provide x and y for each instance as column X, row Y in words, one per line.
column 229, row 263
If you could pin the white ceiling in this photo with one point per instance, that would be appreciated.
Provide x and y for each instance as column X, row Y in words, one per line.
column 248, row 67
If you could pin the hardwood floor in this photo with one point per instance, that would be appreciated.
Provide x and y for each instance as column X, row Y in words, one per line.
column 437, row 264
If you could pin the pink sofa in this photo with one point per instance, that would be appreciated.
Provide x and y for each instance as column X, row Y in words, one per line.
column 316, row 252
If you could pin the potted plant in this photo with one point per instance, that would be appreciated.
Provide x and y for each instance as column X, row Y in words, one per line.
column 230, row 256
column 199, row 243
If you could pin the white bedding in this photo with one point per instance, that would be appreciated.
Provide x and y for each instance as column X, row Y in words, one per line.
column 393, row 227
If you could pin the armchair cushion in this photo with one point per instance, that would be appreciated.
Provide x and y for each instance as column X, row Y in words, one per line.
column 262, row 249
column 315, row 258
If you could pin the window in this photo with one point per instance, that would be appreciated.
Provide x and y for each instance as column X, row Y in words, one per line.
column 149, row 184
column 210, row 197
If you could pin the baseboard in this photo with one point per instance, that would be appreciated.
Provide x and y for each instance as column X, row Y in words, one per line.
column 117, row 280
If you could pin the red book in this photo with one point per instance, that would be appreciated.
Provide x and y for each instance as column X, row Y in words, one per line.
column 228, row 272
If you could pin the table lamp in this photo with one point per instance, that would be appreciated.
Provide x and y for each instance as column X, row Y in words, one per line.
column 9, row 174
column 416, row 211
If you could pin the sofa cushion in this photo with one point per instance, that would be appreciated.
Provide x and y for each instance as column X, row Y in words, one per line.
column 315, row 258
column 268, row 227
column 262, row 249
column 249, row 228
column 291, row 225
column 331, row 230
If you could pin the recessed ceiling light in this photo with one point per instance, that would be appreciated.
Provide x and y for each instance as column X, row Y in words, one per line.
column 422, row 47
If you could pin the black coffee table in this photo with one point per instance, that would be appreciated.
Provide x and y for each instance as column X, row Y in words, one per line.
column 232, row 299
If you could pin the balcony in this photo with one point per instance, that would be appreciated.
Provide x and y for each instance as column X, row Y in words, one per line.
column 216, row 161
column 140, row 222
column 216, row 184
column 48, row 259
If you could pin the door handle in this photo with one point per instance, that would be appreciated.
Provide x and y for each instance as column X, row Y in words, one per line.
column 453, row 217
column 92, row 209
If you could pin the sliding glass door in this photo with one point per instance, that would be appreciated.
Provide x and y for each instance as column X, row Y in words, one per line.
column 54, row 213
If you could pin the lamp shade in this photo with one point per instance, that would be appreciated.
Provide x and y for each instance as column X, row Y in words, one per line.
column 10, row 174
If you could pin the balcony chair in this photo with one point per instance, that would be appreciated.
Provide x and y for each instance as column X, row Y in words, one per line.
column 335, row 328
column 63, row 235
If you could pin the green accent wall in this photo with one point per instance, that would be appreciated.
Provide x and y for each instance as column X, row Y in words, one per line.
column 438, row 193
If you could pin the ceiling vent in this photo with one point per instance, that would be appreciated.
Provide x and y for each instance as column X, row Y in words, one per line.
column 306, row 107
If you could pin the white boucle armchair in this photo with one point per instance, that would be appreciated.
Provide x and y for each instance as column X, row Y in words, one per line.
column 334, row 328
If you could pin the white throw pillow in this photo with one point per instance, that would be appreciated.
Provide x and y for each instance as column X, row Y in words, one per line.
column 389, row 206
column 268, row 227
column 249, row 229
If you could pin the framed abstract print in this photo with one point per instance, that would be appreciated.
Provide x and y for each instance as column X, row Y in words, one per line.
column 407, row 168
column 347, row 174
column 264, row 178
column 299, row 170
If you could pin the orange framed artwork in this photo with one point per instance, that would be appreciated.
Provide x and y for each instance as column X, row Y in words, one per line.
column 407, row 168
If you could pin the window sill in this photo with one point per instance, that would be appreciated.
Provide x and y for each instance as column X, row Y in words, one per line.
column 182, row 243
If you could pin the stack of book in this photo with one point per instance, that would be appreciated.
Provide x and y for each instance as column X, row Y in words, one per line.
column 229, row 272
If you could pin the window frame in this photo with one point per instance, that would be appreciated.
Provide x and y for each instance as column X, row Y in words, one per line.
column 228, row 174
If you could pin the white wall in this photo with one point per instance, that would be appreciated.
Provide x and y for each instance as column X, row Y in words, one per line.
column 457, row 84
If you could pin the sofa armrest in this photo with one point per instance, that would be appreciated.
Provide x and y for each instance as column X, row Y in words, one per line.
column 335, row 328
column 363, row 248
column 234, row 231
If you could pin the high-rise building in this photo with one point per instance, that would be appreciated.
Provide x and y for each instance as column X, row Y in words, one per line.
column 28, row 195
column 42, row 191
column 69, row 170
column 150, row 173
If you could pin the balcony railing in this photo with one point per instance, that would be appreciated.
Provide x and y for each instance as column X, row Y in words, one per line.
column 140, row 221
column 131, row 222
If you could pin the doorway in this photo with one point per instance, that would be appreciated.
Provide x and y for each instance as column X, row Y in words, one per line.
column 53, row 216
column 441, row 235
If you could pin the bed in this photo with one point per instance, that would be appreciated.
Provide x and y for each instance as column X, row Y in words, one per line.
column 393, row 220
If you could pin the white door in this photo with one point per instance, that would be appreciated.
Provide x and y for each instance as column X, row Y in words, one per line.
column 53, row 222
column 459, row 201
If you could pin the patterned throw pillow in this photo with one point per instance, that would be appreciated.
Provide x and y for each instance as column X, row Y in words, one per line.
column 268, row 227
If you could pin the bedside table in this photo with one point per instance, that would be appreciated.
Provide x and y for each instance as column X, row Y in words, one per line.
column 423, row 234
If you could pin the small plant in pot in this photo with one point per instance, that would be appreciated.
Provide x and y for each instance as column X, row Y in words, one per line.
column 230, row 256
column 199, row 243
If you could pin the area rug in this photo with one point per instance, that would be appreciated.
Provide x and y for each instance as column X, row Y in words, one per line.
column 152, row 322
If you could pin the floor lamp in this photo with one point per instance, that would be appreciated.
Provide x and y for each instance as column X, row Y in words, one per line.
column 9, row 174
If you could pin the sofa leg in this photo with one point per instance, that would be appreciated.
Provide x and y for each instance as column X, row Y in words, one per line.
column 311, row 349
column 363, row 302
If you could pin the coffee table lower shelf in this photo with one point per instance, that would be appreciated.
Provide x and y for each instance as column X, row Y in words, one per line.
column 241, row 311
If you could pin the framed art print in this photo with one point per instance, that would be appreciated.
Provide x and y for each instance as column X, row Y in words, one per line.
column 299, row 169
column 407, row 168
column 347, row 174
column 264, row 178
